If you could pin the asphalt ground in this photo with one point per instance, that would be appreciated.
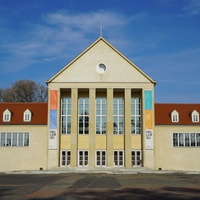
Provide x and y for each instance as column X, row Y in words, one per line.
column 75, row 186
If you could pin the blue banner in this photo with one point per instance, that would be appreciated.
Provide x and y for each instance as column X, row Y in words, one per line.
column 53, row 119
column 148, row 100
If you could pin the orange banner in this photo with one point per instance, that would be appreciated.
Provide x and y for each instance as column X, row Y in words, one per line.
column 53, row 99
column 148, row 119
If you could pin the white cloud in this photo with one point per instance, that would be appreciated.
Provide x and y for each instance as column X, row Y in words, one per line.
column 57, row 35
column 193, row 7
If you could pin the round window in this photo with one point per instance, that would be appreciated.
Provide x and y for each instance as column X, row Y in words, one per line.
column 101, row 68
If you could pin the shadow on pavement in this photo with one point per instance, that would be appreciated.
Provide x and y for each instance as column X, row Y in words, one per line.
column 129, row 193
column 96, row 182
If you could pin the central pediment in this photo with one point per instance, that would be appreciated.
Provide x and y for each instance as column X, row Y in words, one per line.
column 101, row 62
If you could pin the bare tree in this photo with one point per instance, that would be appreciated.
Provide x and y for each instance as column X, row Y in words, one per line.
column 25, row 91
column 1, row 92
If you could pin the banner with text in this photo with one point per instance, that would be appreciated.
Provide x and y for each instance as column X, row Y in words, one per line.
column 149, row 139
column 52, row 139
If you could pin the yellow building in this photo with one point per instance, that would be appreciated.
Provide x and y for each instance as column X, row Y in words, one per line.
column 101, row 112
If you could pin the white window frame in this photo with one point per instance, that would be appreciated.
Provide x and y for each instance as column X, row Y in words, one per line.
column 136, row 162
column 101, row 114
column 6, row 116
column 15, row 139
column 186, row 140
column 195, row 116
column 66, row 114
column 174, row 116
column 101, row 159
column 117, row 163
column 135, row 114
column 118, row 130
column 27, row 115
column 84, row 115
column 84, row 158
column 66, row 159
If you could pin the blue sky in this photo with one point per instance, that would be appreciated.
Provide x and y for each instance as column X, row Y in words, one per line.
column 162, row 37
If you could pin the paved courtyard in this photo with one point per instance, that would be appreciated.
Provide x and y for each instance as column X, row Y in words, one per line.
column 74, row 186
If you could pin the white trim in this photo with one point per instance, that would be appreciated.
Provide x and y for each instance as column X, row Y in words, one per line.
column 118, row 165
column 83, row 158
column 174, row 116
column 6, row 116
column 101, row 116
column 195, row 116
column 136, row 160
column 191, row 144
column 118, row 115
column 91, row 46
column 100, row 158
column 11, row 139
column 27, row 115
column 66, row 160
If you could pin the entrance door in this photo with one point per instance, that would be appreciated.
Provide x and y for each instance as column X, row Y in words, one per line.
column 83, row 158
column 136, row 158
column 119, row 158
column 100, row 158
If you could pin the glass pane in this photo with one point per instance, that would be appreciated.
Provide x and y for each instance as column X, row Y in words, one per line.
column 192, row 137
column 20, row 141
column 198, row 139
column 175, row 139
column 133, row 158
column 26, row 139
column 3, row 137
column 8, row 143
column 187, row 140
column 14, row 143
column 181, row 140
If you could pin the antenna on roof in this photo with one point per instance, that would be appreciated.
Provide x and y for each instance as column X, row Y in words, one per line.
column 101, row 29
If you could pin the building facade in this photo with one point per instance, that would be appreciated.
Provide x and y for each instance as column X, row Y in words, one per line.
column 101, row 107
column 101, row 113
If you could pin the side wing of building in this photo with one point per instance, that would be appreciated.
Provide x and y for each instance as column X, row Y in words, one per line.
column 177, row 136
column 23, row 136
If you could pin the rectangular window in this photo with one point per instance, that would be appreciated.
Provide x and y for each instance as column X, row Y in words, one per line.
column 119, row 158
column 83, row 118
column 14, row 139
column 135, row 115
column 195, row 117
column 101, row 115
column 83, row 158
column 66, row 115
column 100, row 158
column 136, row 158
column 118, row 115
column 65, row 158
column 26, row 117
column 6, row 117
column 186, row 139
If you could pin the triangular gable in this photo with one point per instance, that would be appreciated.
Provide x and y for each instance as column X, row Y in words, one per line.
column 101, row 54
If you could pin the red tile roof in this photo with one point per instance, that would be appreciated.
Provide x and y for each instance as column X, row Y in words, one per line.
column 38, row 110
column 163, row 113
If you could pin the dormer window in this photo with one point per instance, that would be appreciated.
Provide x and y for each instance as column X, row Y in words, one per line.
column 6, row 115
column 175, row 116
column 27, row 115
column 195, row 116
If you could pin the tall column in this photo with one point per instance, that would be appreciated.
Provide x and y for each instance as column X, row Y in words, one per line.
column 127, row 125
column 92, row 96
column 148, row 128
column 110, row 127
column 53, row 149
column 74, row 127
